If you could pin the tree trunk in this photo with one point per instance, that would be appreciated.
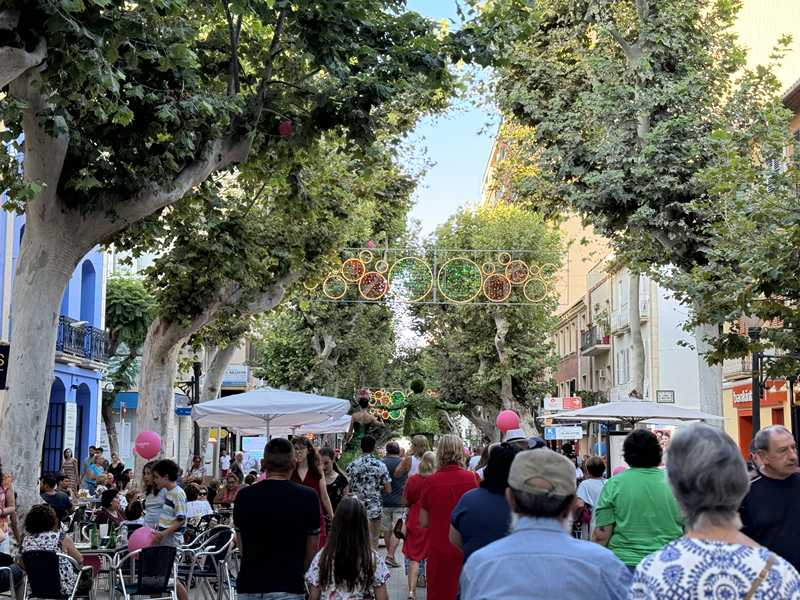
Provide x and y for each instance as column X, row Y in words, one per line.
column 156, row 410
column 637, row 343
column 212, row 382
column 506, row 388
column 485, row 425
column 44, row 267
column 709, row 377
column 107, row 410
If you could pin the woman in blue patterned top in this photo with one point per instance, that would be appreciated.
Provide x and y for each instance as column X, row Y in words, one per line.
column 713, row 559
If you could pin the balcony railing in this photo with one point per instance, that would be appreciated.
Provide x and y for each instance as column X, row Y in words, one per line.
column 594, row 342
column 83, row 341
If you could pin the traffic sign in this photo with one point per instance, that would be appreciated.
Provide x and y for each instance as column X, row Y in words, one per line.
column 563, row 432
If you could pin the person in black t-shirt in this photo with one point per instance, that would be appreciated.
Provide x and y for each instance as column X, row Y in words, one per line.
column 277, row 525
column 58, row 500
column 771, row 510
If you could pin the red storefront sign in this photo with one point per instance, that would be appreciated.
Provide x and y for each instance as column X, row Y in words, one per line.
column 776, row 395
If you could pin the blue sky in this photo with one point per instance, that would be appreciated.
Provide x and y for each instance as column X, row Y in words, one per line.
column 455, row 146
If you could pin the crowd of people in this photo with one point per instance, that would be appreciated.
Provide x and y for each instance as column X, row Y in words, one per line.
column 514, row 517
column 518, row 520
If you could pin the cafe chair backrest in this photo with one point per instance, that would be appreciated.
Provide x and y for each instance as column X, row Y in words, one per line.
column 155, row 567
column 44, row 580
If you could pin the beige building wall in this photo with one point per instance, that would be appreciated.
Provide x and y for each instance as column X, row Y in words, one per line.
column 761, row 23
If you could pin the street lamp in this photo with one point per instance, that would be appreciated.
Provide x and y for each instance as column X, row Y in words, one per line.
column 192, row 390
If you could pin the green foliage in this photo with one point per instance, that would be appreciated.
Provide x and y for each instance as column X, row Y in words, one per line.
column 143, row 89
column 622, row 100
column 753, row 215
column 464, row 366
column 326, row 347
column 129, row 310
column 231, row 240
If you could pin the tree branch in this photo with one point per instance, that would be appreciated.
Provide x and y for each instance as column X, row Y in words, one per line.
column 44, row 154
column 121, row 213
column 15, row 61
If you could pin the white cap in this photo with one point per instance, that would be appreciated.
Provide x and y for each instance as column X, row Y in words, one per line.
column 516, row 435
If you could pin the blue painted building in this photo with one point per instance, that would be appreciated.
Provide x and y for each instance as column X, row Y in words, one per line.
column 73, row 418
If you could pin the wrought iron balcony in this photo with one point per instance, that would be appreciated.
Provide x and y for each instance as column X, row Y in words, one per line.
column 83, row 341
column 593, row 342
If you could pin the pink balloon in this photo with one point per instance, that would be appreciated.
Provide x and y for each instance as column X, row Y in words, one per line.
column 507, row 419
column 141, row 538
column 148, row 444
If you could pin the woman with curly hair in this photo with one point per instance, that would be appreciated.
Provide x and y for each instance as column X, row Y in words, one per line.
column 442, row 492
column 348, row 568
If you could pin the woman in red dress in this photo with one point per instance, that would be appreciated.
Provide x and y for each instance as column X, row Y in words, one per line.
column 442, row 492
column 415, row 546
column 309, row 473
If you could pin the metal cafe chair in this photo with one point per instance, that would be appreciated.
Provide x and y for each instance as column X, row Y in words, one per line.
column 207, row 562
column 43, row 578
column 153, row 574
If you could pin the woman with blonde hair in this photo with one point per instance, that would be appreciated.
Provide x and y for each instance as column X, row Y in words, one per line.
column 410, row 462
column 415, row 547
column 442, row 492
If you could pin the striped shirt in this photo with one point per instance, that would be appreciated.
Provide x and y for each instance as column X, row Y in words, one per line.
column 174, row 509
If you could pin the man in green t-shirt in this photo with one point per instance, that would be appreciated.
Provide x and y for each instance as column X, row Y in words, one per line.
column 636, row 513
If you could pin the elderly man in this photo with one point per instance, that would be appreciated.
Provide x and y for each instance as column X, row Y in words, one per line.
column 771, row 510
column 539, row 556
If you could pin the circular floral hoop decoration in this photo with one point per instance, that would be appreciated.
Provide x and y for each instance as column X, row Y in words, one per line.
column 536, row 289
column 497, row 288
column 373, row 286
column 517, row 272
column 381, row 266
column 334, row 287
column 353, row 269
column 488, row 268
column 365, row 256
column 410, row 279
column 504, row 258
column 460, row 280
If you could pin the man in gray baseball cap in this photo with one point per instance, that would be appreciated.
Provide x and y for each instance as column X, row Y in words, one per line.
column 539, row 558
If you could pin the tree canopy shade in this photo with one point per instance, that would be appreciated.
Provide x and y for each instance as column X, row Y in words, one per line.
column 491, row 357
column 623, row 97
column 126, row 107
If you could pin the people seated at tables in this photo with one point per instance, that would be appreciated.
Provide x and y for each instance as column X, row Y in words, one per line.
column 134, row 514
column 63, row 485
column 58, row 500
column 103, row 483
column 197, row 505
column 44, row 533
column 110, row 511
column 229, row 492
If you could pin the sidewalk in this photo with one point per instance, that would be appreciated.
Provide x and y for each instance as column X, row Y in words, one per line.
column 398, row 582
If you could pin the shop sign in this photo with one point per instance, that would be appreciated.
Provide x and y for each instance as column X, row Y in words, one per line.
column 562, row 403
column 775, row 395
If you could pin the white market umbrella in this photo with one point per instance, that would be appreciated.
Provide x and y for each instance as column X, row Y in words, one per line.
column 266, row 408
column 633, row 412
column 337, row 425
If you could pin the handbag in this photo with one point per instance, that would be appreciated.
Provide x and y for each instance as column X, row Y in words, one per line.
column 761, row 577
column 399, row 532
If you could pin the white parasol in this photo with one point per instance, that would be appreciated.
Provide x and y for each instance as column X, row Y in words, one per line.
column 634, row 411
column 266, row 408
